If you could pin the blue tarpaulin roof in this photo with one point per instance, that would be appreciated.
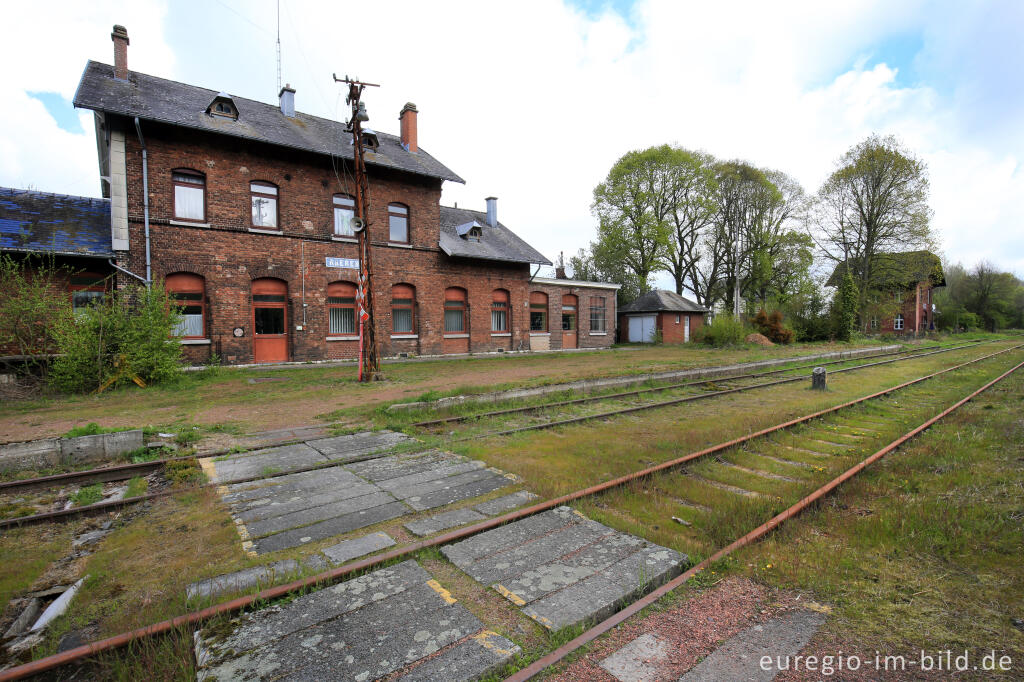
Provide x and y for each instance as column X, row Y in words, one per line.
column 40, row 222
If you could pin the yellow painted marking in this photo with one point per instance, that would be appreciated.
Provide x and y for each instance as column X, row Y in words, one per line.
column 445, row 594
column 209, row 468
column 815, row 606
column 511, row 596
column 542, row 620
column 486, row 638
column 243, row 532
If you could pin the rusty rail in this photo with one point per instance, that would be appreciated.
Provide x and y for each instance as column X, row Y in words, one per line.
column 335, row 574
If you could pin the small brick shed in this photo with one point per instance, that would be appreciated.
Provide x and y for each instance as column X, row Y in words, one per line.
column 676, row 317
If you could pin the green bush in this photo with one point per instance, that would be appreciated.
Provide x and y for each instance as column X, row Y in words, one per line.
column 845, row 308
column 724, row 330
column 33, row 302
column 129, row 333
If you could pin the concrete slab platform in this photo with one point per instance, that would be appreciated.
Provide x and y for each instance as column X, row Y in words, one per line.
column 305, row 517
column 435, row 524
column 393, row 466
column 358, row 444
column 340, row 525
column 562, row 568
column 281, row 504
column 364, row 629
column 506, row 503
column 240, row 581
column 357, row 547
column 637, row 661
column 739, row 658
column 472, row 658
column 259, row 462
column 451, row 492
column 306, row 482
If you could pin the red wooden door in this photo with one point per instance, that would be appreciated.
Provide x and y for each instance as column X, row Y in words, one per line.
column 569, row 321
column 269, row 320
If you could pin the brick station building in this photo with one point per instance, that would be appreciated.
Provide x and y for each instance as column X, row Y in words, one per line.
column 244, row 210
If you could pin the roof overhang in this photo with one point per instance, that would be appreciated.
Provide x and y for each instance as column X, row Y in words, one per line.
column 576, row 283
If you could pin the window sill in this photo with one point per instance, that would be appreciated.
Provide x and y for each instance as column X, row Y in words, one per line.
column 540, row 333
column 261, row 231
column 456, row 336
column 598, row 333
column 347, row 240
column 342, row 338
column 501, row 334
column 194, row 342
column 187, row 223
column 399, row 245
column 405, row 336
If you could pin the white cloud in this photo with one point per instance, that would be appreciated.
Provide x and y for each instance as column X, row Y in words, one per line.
column 534, row 101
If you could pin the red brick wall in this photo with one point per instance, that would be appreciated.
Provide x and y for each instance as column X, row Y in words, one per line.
column 915, row 299
column 674, row 332
column 585, row 337
column 229, row 256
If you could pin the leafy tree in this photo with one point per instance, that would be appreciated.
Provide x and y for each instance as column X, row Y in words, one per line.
column 875, row 201
column 130, row 332
column 33, row 301
column 845, row 308
column 586, row 265
column 632, row 206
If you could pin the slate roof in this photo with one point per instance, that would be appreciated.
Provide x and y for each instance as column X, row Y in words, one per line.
column 899, row 269
column 157, row 99
column 54, row 223
column 496, row 243
column 660, row 300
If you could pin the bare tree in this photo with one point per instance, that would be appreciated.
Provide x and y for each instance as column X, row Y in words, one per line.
column 691, row 207
column 876, row 201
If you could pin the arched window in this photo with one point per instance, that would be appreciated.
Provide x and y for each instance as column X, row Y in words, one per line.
column 87, row 288
column 538, row 311
column 344, row 212
column 403, row 305
column 455, row 310
column 189, row 195
column 263, row 197
column 188, row 292
column 499, row 311
column 569, row 305
column 398, row 223
column 341, row 309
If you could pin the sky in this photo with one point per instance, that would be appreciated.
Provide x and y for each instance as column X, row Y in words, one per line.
column 534, row 101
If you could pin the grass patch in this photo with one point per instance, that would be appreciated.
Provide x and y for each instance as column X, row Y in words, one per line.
column 88, row 494
column 93, row 429
column 26, row 552
column 136, row 486
column 184, row 473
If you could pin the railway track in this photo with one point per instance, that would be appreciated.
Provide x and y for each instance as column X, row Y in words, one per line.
column 128, row 471
column 690, row 391
column 868, row 421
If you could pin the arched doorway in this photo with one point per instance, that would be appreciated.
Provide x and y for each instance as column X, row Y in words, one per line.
column 269, row 320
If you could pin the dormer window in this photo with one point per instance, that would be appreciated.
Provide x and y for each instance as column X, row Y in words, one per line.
column 474, row 234
column 370, row 140
column 222, row 105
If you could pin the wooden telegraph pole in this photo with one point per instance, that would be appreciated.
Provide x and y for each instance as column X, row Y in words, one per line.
column 369, row 348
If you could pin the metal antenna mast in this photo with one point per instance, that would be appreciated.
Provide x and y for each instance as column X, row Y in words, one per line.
column 279, row 45
column 369, row 349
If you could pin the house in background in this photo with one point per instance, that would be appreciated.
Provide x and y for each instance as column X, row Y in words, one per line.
column 71, row 233
column 674, row 316
column 899, row 300
column 245, row 210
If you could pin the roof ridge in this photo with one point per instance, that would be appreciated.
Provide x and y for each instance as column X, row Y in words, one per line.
column 54, row 194
column 238, row 97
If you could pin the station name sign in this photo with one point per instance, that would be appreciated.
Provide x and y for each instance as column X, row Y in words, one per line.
column 343, row 263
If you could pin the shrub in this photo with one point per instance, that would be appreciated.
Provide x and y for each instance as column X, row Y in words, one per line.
column 845, row 308
column 33, row 301
column 772, row 328
column 724, row 330
column 129, row 333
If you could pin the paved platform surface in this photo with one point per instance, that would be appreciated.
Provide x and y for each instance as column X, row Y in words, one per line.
column 292, row 510
column 393, row 620
column 561, row 568
column 739, row 658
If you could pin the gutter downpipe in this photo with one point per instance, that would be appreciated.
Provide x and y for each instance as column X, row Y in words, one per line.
column 145, row 202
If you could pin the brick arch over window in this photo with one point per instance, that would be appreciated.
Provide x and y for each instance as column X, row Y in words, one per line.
column 188, row 189
column 500, row 321
column 188, row 291
column 455, row 307
column 403, row 309
column 538, row 311
column 341, row 309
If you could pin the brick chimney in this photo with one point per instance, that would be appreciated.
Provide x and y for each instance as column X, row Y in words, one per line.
column 120, row 38
column 287, row 96
column 408, row 119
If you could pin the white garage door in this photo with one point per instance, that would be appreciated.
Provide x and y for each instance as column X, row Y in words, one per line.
column 641, row 328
